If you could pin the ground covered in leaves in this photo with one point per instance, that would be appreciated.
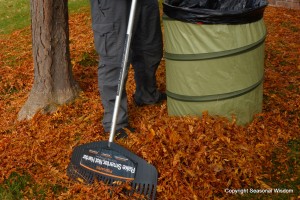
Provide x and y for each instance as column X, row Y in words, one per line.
column 196, row 157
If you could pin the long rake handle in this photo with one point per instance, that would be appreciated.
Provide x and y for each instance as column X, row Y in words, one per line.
column 123, row 70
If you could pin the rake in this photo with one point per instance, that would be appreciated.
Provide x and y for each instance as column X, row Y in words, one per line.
column 107, row 161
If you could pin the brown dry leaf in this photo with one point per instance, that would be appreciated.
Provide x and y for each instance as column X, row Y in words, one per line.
column 176, row 159
column 263, row 184
column 151, row 135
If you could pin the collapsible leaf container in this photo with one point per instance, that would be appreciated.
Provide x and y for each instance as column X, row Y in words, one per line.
column 214, row 59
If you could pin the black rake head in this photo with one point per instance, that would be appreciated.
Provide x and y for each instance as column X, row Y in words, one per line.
column 112, row 164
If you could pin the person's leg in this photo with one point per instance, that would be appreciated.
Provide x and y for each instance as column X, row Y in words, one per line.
column 109, row 22
column 147, row 52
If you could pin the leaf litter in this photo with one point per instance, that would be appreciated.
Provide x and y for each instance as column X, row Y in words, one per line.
column 196, row 157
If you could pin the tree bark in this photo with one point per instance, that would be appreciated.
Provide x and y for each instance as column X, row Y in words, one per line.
column 53, row 79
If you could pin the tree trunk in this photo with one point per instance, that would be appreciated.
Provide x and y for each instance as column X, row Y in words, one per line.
column 53, row 79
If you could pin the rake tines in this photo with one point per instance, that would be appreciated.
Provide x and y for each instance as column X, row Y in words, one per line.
column 147, row 190
column 144, row 190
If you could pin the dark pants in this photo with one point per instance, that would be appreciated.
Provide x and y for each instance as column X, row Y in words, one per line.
column 109, row 22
